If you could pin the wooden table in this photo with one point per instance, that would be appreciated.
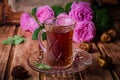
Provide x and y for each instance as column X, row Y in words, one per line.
column 13, row 55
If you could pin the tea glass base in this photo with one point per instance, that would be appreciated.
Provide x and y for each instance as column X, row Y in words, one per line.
column 82, row 61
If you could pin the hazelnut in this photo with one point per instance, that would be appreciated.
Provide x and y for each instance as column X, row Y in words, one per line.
column 104, row 61
column 19, row 72
column 85, row 46
column 112, row 32
column 105, row 37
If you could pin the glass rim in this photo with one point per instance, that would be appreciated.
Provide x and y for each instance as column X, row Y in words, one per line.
column 54, row 25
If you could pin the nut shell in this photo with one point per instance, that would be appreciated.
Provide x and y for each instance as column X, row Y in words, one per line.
column 105, row 37
column 112, row 32
column 104, row 61
column 85, row 46
column 19, row 72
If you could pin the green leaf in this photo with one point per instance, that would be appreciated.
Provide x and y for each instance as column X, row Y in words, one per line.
column 44, row 36
column 101, row 19
column 18, row 41
column 57, row 10
column 8, row 41
column 14, row 40
column 17, row 37
column 99, row 16
column 94, row 8
column 35, row 34
column 34, row 12
column 68, row 7
column 42, row 66
column 47, row 67
column 105, row 18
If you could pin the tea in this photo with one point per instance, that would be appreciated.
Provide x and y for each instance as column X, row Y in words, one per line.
column 58, row 52
column 59, row 47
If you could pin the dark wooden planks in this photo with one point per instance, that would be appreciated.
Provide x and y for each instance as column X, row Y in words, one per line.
column 113, row 50
column 94, row 72
column 17, row 55
column 1, row 10
column 64, row 77
column 5, row 32
column 21, row 53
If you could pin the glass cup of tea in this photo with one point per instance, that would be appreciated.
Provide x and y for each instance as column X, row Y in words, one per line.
column 58, row 52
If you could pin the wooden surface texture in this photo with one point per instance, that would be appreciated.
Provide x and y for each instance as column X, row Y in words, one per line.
column 13, row 55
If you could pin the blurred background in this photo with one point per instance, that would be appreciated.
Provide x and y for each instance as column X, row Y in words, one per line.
column 11, row 10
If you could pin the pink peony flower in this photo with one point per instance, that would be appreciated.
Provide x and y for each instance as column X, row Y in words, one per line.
column 81, row 11
column 84, row 4
column 64, row 20
column 44, row 12
column 62, row 15
column 84, row 31
column 28, row 23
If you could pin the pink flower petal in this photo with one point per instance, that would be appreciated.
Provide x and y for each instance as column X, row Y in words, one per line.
column 84, row 31
column 44, row 12
column 27, row 22
column 81, row 11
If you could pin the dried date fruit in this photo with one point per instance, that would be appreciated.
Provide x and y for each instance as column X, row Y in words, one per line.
column 19, row 72
column 104, row 61
column 85, row 46
column 105, row 37
column 108, row 36
column 112, row 32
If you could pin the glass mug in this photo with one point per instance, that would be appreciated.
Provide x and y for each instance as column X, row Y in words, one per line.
column 58, row 52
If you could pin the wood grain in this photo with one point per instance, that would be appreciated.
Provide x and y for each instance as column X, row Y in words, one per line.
column 95, row 72
column 68, row 77
column 113, row 50
column 1, row 10
column 21, row 53
column 5, row 32
column 8, row 15
column 13, row 55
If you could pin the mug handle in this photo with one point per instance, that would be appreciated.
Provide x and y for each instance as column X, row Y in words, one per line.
column 40, row 40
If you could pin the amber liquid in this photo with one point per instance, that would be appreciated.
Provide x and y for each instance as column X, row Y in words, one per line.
column 59, row 48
